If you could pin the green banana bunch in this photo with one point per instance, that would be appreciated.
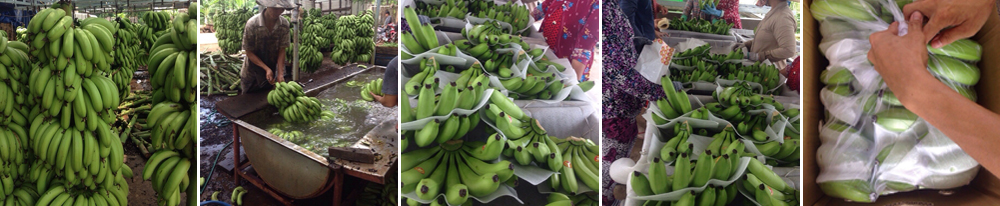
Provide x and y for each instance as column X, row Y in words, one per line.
column 352, row 35
column 237, row 196
column 768, row 187
column 766, row 75
column 170, row 173
column 733, row 55
column 674, row 104
column 304, row 109
column 229, row 26
column 678, row 143
column 701, row 26
column 452, row 8
column 560, row 199
column 701, row 71
column 24, row 195
column 579, row 163
column 126, row 55
column 717, row 162
column 62, row 73
column 697, row 51
column 173, row 117
column 421, row 37
column 294, row 136
column 370, row 88
column 517, row 15
column 456, row 126
column 157, row 20
column 453, row 169
column 379, row 195
column 855, row 10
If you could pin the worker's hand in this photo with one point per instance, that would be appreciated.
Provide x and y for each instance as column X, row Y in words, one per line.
column 739, row 46
column 281, row 78
column 378, row 98
column 662, row 34
column 269, row 75
column 753, row 56
column 711, row 10
column 965, row 18
column 893, row 54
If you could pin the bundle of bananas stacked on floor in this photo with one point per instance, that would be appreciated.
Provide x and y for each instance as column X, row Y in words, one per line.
column 517, row 15
column 371, row 87
column 310, row 58
column 456, row 169
column 315, row 34
column 768, row 188
column 355, row 39
column 146, row 35
column 293, row 104
column 14, row 120
column 126, row 55
column 690, row 171
column 229, row 29
column 157, row 20
column 380, row 195
column 674, row 104
column 701, row 71
column 560, row 199
column 174, row 118
column 420, row 38
column 71, row 113
column 449, row 8
column 701, row 26
column 580, row 161
column 456, row 126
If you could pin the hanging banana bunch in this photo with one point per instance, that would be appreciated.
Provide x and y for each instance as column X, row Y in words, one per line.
column 71, row 101
column 173, row 118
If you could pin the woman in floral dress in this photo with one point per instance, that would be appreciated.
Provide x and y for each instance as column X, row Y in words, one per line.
column 570, row 28
column 625, row 91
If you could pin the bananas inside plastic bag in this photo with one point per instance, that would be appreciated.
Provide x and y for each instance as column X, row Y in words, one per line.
column 871, row 144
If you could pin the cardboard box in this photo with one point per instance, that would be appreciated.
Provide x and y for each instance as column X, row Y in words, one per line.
column 984, row 190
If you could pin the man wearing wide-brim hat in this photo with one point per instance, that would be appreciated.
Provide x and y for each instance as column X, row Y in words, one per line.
column 265, row 38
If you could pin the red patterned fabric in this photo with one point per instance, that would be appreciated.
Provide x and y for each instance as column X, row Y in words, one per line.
column 570, row 25
column 731, row 9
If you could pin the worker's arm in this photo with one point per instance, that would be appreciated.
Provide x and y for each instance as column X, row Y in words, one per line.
column 784, row 33
column 256, row 61
column 281, row 66
column 388, row 100
column 902, row 63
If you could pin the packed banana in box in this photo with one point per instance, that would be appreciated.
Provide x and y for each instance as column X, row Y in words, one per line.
column 870, row 141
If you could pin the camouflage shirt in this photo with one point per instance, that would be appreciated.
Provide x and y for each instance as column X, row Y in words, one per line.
column 267, row 44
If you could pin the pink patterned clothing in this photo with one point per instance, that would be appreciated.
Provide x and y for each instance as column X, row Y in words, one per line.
column 731, row 12
column 571, row 29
